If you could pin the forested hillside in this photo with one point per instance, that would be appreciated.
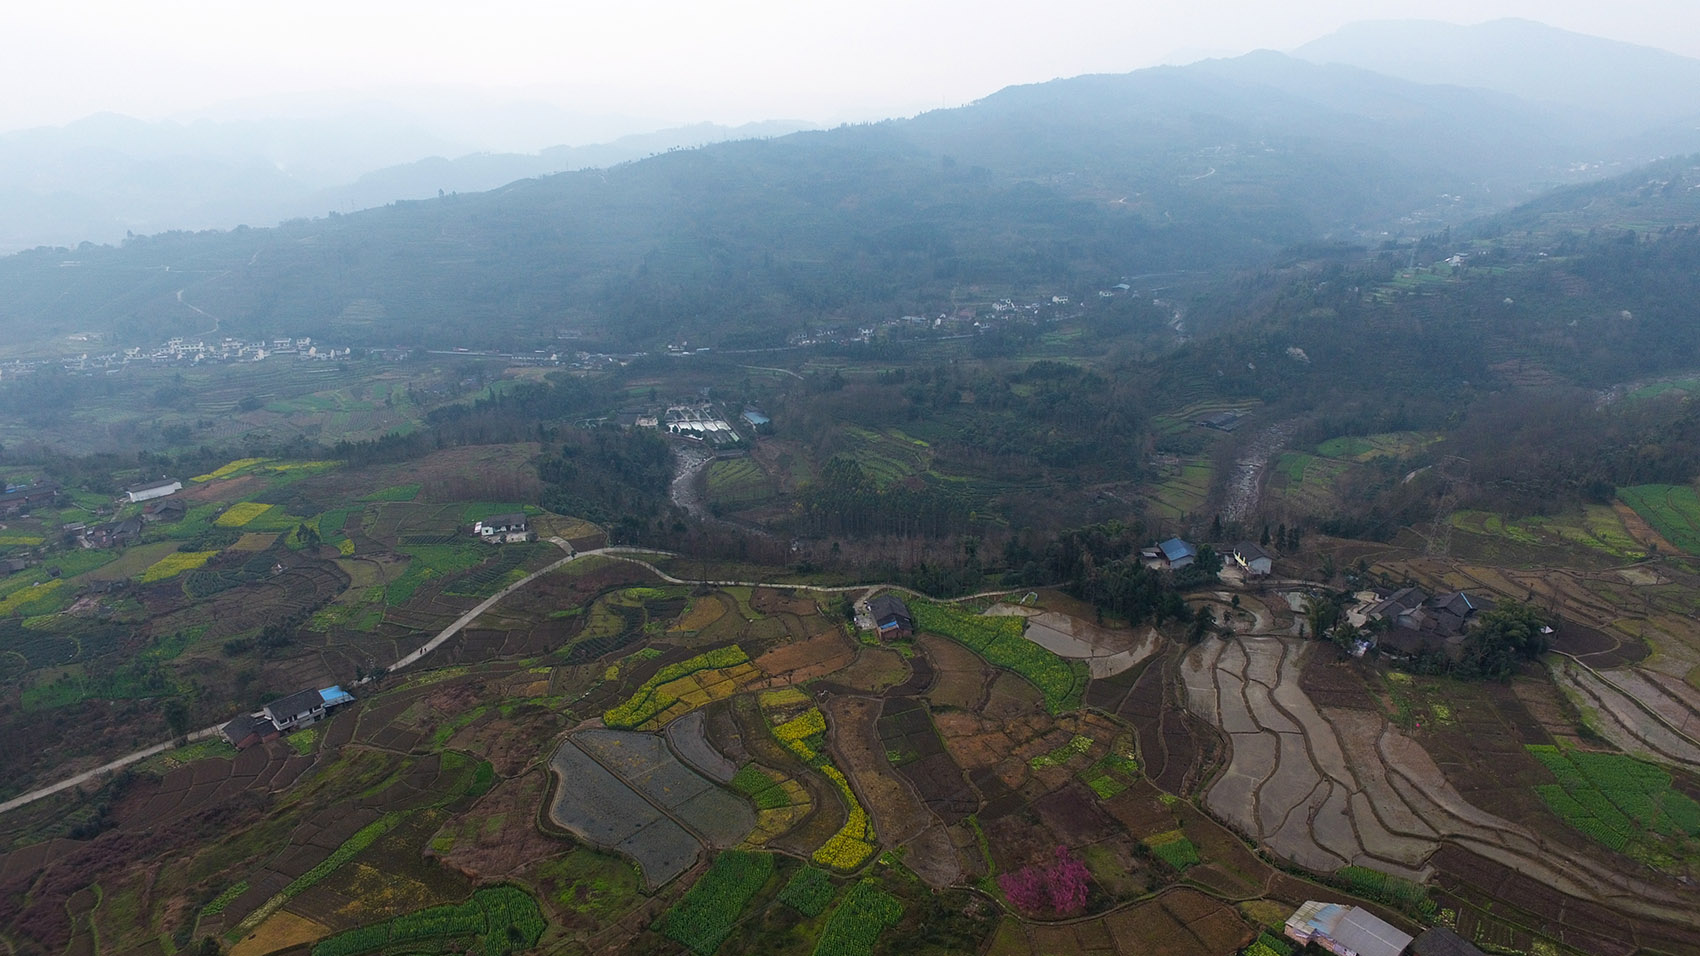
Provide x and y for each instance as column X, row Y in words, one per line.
column 1060, row 185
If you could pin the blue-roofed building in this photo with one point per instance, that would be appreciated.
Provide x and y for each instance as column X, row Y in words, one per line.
column 756, row 418
column 1177, row 554
column 1345, row 930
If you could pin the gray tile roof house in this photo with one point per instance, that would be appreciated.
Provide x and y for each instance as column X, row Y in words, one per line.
column 891, row 616
column 297, row 710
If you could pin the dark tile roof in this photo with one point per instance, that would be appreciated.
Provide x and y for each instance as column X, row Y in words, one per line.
column 246, row 726
column 300, row 702
column 1440, row 941
column 1251, row 551
column 887, row 606
column 1399, row 602
column 1406, row 640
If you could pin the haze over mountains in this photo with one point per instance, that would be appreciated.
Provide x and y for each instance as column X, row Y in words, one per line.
column 1069, row 183
column 1626, row 85
column 106, row 176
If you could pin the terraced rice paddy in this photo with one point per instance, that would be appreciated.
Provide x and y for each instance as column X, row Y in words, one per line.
column 1329, row 787
column 1639, row 711
column 1182, row 491
column 648, row 766
column 738, row 483
column 599, row 808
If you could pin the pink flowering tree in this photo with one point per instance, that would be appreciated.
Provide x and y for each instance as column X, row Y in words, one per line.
column 1059, row 889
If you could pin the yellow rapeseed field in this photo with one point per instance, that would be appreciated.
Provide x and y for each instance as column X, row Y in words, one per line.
column 241, row 513
column 226, row 471
column 176, row 563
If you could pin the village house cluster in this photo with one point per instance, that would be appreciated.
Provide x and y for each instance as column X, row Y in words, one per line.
column 966, row 320
column 181, row 351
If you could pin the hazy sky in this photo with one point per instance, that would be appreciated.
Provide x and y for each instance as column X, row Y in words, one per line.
column 677, row 60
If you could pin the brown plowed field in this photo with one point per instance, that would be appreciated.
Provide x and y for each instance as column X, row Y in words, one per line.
column 906, row 729
column 806, row 660
column 960, row 676
column 898, row 814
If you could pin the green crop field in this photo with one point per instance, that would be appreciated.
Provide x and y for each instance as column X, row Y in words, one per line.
column 1377, row 885
column 1367, row 447
column 738, row 482
column 497, row 920
column 1689, row 386
column 1307, row 482
column 1597, row 529
column 1174, row 849
column 887, row 457
column 1624, row 803
column 858, row 922
column 705, row 915
column 394, row 493
column 1182, row 493
column 1672, row 510
column 809, row 892
column 433, row 561
column 999, row 641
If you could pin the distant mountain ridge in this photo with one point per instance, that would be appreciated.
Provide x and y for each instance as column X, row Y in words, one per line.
column 1624, row 85
column 108, row 175
column 479, row 172
column 1062, row 185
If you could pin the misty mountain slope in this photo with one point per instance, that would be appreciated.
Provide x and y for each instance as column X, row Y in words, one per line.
column 1338, row 145
column 1651, row 198
column 108, row 175
column 1063, row 185
column 481, row 172
column 1625, row 87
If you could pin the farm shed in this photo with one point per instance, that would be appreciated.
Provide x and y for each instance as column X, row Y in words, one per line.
column 1222, row 421
column 891, row 617
column 1253, row 559
column 1345, row 930
column 506, row 528
column 152, row 489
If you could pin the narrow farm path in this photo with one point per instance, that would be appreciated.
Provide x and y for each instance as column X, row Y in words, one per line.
column 616, row 552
